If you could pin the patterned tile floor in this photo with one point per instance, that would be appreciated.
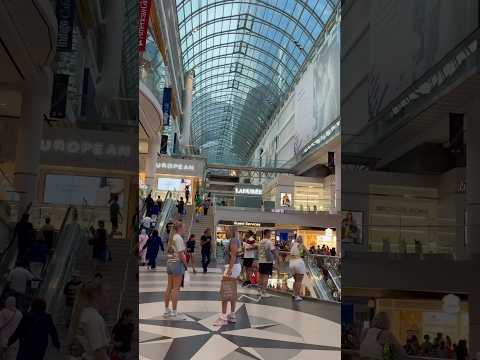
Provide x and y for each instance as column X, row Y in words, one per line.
column 272, row 328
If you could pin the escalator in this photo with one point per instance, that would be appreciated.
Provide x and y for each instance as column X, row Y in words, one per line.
column 324, row 273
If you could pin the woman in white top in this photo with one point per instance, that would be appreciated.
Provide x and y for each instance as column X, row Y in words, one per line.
column 377, row 336
column 10, row 317
column 297, row 267
column 88, row 336
column 176, row 266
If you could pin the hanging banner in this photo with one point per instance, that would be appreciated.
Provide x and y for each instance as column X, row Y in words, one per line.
column 167, row 105
column 143, row 16
column 65, row 16
column 59, row 96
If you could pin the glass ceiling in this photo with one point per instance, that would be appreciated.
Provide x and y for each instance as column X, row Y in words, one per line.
column 245, row 55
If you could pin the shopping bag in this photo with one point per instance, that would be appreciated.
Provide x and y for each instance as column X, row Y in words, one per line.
column 228, row 289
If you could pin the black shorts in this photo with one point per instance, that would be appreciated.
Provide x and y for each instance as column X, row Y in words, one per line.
column 265, row 268
column 114, row 221
column 248, row 262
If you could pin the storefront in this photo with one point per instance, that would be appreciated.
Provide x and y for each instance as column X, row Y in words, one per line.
column 299, row 193
column 176, row 176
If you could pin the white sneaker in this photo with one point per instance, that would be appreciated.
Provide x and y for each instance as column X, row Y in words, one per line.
column 167, row 313
column 221, row 321
column 266, row 295
column 297, row 298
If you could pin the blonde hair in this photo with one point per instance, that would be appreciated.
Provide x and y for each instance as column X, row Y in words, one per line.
column 85, row 297
column 171, row 245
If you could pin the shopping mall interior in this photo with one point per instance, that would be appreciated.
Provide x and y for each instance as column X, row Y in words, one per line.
column 350, row 125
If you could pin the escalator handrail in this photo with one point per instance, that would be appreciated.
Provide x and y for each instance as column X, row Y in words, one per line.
column 12, row 237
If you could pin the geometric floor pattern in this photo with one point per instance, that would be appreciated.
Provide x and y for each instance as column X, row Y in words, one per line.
column 269, row 329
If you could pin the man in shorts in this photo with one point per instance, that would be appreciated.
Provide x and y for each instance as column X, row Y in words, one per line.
column 266, row 254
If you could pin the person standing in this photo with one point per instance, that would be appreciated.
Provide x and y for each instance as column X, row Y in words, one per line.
column 149, row 205
column 176, row 266
column 89, row 337
column 10, row 318
column 205, row 205
column 187, row 193
column 206, row 244
column 159, row 203
column 250, row 253
column 297, row 267
column 232, row 272
column 25, row 235
column 70, row 293
column 48, row 232
column 190, row 252
column 115, row 214
column 18, row 280
column 266, row 255
column 181, row 207
column 33, row 332
column 99, row 242
column 142, row 241
column 153, row 245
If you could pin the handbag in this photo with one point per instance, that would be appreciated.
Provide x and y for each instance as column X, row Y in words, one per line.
column 228, row 289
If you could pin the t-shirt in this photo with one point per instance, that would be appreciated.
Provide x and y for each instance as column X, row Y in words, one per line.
column 264, row 247
column 295, row 250
column 92, row 332
column 18, row 278
column 207, row 246
column 9, row 321
column 249, row 253
column 191, row 246
column 177, row 246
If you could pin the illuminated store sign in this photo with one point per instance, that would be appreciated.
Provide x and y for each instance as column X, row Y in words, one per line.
column 248, row 191
column 85, row 147
column 175, row 166
column 246, row 223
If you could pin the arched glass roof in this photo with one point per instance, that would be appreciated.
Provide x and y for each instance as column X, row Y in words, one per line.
column 245, row 55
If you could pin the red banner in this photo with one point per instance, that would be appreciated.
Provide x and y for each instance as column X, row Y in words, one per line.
column 143, row 16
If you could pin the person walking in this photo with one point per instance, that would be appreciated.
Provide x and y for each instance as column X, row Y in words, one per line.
column 190, row 252
column 206, row 245
column 159, row 203
column 142, row 241
column 70, row 292
column 10, row 318
column 122, row 336
column 249, row 256
column 99, row 243
column 33, row 332
column 176, row 266
column 232, row 271
column 88, row 337
column 205, row 205
column 153, row 245
column 266, row 255
column 297, row 266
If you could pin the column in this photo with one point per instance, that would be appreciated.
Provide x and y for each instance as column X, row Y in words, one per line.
column 112, row 52
column 187, row 109
column 36, row 99
column 338, row 181
column 473, row 219
column 153, row 150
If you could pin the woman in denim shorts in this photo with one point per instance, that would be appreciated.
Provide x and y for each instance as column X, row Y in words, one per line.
column 176, row 266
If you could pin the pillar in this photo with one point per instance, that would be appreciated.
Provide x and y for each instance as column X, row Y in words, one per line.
column 36, row 99
column 112, row 52
column 187, row 110
column 338, row 181
column 153, row 150
column 473, row 219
